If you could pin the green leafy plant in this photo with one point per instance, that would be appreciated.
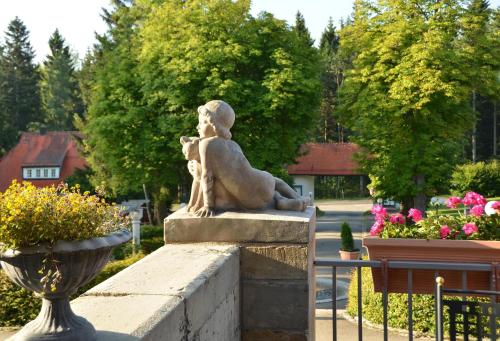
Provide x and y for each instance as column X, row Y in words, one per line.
column 346, row 238
column 31, row 216
column 481, row 177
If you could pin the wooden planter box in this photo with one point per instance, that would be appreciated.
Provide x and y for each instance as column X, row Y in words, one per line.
column 456, row 251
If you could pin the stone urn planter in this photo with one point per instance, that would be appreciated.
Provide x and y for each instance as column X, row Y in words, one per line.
column 456, row 251
column 78, row 262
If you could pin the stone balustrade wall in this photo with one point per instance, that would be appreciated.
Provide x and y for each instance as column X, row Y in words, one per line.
column 179, row 292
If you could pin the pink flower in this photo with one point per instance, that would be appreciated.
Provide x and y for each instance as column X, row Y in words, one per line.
column 397, row 218
column 376, row 228
column 415, row 214
column 469, row 228
column 379, row 211
column 453, row 202
column 496, row 205
column 477, row 210
column 444, row 231
column 473, row 198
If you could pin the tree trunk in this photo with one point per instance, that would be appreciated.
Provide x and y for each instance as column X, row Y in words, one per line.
column 474, row 128
column 419, row 201
column 494, row 129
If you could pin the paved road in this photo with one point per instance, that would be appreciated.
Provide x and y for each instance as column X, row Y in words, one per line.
column 328, row 235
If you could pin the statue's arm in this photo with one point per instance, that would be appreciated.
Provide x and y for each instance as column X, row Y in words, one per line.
column 207, row 183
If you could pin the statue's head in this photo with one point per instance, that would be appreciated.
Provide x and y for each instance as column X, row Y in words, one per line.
column 220, row 115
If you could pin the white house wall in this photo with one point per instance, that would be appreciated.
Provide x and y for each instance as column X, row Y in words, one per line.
column 304, row 182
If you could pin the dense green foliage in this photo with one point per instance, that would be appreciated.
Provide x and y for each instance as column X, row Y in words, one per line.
column 17, row 306
column 347, row 241
column 59, row 87
column 19, row 93
column 151, row 77
column 480, row 177
column 407, row 95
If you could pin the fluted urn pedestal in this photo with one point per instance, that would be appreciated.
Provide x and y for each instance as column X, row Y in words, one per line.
column 78, row 262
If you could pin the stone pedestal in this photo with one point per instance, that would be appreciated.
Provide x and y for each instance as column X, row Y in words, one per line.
column 276, row 266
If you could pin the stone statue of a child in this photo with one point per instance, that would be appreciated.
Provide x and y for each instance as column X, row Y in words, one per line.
column 223, row 179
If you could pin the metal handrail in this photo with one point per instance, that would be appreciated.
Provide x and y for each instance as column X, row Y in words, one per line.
column 335, row 263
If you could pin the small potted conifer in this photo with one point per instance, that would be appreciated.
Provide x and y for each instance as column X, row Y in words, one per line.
column 347, row 251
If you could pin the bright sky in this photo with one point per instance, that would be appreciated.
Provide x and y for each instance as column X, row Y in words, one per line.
column 77, row 20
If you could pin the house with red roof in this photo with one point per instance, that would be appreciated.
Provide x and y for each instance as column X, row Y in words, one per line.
column 325, row 159
column 42, row 158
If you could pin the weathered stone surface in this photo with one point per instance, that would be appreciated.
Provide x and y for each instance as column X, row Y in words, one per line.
column 241, row 227
column 274, row 261
column 223, row 325
column 141, row 316
column 179, row 292
column 272, row 335
column 275, row 305
column 174, row 270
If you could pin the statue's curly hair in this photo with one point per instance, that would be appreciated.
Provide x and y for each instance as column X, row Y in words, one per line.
column 220, row 116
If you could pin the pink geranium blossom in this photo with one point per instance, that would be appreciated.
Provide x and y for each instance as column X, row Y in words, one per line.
column 415, row 214
column 444, row 231
column 397, row 218
column 477, row 210
column 379, row 211
column 473, row 198
column 453, row 202
column 496, row 205
column 376, row 228
column 469, row 228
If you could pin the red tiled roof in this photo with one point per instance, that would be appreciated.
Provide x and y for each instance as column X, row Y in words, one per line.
column 327, row 159
column 57, row 149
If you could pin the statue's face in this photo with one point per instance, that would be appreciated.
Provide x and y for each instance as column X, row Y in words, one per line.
column 204, row 128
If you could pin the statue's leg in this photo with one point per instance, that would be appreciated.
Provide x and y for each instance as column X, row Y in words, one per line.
column 285, row 190
column 288, row 204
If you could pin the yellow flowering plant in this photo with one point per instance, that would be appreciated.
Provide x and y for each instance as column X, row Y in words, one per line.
column 31, row 216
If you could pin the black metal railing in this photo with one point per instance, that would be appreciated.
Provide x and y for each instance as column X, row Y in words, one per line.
column 474, row 318
column 384, row 266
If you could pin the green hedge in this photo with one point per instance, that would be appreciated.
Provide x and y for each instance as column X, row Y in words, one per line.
column 17, row 305
column 480, row 177
column 397, row 311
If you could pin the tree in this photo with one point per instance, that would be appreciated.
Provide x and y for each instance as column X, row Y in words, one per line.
column 329, row 129
column 406, row 96
column 479, row 50
column 153, row 76
column 301, row 29
column 20, row 99
column 61, row 98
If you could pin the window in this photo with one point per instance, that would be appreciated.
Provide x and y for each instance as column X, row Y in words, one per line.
column 298, row 189
column 41, row 173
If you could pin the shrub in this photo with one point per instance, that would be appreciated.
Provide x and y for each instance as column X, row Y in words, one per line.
column 17, row 305
column 346, row 237
column 397, row 311
column 481, row 177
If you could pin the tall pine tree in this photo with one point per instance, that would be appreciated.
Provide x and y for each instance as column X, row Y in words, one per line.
column 301, row 29
column 328, row 128
column 20, row 100
column 60, row 92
